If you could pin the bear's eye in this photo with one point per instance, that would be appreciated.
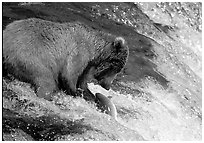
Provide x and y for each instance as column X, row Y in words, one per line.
column 117, row 45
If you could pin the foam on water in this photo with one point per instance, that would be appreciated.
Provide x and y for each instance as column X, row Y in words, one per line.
column 157, row 114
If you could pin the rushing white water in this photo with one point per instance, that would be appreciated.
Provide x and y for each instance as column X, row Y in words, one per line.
column 157, row 114
column 145, row 109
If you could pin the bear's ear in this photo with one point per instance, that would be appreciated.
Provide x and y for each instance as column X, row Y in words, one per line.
column 119, row 42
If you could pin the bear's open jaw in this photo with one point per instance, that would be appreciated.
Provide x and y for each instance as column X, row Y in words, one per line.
column 105, row 86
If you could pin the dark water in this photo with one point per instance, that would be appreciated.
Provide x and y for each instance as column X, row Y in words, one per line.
column 157, row 95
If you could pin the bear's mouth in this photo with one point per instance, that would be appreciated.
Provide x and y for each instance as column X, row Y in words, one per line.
column 104, row 84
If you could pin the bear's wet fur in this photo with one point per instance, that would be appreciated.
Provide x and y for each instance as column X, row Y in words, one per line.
column 53, row 56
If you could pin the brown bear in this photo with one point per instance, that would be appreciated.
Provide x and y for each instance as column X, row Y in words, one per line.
column 53, row 56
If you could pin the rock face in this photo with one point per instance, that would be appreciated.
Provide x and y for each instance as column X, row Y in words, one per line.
column 158, row 95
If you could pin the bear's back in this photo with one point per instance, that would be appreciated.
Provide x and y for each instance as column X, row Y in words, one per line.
column 37, row 36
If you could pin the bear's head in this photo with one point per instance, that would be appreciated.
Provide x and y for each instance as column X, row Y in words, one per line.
column 103, row 68
column 110, row 62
